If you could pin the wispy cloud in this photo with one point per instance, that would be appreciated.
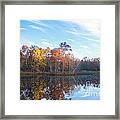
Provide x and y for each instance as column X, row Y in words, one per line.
column 37, row 28
column 73, row 32
column 23, row 29
column 44, row 39
column 27, row 42
column 40, row 24
column 78, row 32
column 84, row 46
column 46, row 44
column 91, row 39
column 34, row 27
column 92, row 26
column 70, row 40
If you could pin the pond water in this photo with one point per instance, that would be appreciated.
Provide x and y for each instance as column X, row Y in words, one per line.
column 81, row 87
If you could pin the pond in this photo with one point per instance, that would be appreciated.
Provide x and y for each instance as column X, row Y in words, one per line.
column 44, row 87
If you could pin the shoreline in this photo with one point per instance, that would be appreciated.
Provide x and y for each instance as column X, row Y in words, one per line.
column 60, row 74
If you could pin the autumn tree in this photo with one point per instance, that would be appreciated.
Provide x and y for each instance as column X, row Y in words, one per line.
column 65, row 48
column 38, row 59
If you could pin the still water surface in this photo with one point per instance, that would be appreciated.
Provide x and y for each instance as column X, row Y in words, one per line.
column 81, row 87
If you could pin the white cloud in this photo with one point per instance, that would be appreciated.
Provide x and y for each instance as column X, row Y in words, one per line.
column 90, row 39
column 91, row 25
column 40, row 23
column 46, row 40
column 43, row 44
column 78, row 33
column 23, row 29
column 27, row 42
column 37, row 28
column 73, row 32
column 71, row 40
column 77, row 54
column 46, row 44
column 34, row 27
column 84, row 46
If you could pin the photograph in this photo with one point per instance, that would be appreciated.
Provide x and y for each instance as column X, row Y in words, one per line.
column 60, row 52
column 60, row 59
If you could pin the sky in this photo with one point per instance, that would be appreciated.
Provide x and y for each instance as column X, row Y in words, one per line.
column 82, row 35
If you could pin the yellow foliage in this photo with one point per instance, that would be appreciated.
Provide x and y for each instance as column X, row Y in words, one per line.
column 38, row 57
column 38, row 91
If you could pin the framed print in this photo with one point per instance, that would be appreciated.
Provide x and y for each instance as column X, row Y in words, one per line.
column 60, row 60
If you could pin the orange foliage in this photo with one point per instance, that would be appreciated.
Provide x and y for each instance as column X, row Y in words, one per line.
column 56, row 52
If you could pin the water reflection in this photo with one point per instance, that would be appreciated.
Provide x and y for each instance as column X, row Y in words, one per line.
column 83, row 87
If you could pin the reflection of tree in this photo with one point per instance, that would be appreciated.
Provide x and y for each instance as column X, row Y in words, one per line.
column 53, row 88
column 38, row 90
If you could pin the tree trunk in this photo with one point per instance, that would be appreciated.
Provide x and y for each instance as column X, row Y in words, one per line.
column 63, row 67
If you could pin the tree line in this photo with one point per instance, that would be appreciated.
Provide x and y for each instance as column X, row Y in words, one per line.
column 35, row 59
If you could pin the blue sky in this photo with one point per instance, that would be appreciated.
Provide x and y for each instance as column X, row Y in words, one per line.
column 82, row 35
